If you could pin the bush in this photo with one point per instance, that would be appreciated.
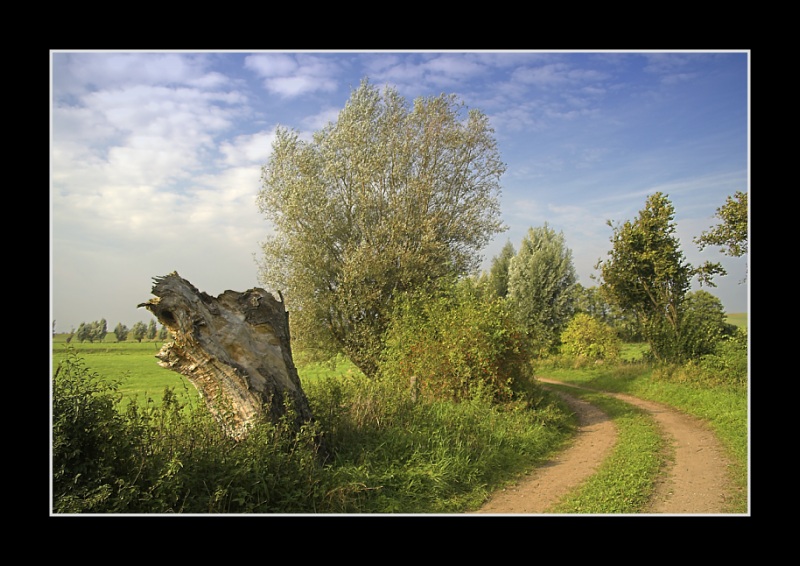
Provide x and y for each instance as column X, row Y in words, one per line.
column 703, row 325
column 726, row 366
column 171, row 458
column 92, row 454
column 587, row 338
column 455, row 345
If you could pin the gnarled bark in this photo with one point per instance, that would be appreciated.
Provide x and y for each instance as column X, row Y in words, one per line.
column 234, row 349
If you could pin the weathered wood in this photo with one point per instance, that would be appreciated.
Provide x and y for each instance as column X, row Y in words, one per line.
column 235, row 349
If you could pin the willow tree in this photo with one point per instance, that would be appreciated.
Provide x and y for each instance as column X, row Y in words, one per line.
column 541, row 280
column 388, row 198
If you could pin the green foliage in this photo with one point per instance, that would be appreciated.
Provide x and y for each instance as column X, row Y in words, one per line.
column 587, row 338
column 726, row 365
column 93, row 332
column 385, row 200
column 139, row 331
column 456, row 345
column 121, row 332
column 731, row 234
column 93, row 457
column 389, row 454
column 165, row 459
column 497, row 280
column 396, row 455
column 646, row 275
column 703, row 324
column 541, row 278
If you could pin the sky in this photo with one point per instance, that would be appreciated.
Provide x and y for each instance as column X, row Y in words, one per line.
column 156, row 157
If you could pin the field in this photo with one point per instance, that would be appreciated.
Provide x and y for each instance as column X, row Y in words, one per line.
column 136, row 368
column 738, row 319
column 133, row 364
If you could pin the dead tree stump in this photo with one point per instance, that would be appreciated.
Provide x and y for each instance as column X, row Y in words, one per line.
column 235, row 349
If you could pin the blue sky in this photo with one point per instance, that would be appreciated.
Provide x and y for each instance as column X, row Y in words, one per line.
column 156, row 156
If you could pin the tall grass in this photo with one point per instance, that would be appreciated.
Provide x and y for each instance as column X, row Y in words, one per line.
column 388, row 453
column 130, row 451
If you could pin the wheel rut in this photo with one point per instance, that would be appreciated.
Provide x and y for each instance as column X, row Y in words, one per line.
column 695, row 480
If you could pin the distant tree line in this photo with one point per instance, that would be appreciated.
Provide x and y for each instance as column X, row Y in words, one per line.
column 96, row 332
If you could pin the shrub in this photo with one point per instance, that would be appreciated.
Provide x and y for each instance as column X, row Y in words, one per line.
column 170, row 458
column 456, row 345
column 91, row 451
column 703, row 325
column 587, row 338
column 726, row 366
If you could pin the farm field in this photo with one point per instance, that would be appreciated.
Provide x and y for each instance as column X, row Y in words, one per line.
column 132, row 364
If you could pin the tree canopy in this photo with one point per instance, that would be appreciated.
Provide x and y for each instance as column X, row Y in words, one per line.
column 387, row 199
column 731, row 233
column 541, row 278
column 646, row 274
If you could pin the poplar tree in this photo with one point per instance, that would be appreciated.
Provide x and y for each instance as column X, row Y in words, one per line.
column 541, row 281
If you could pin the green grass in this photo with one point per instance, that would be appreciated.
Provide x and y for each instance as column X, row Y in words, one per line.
column 725, row 409
column 447, row 458
column 133, row 364
column 626, row 479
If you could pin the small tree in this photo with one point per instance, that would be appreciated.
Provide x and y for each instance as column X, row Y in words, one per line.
column 98, row 330
column 82, row 334
column 139, row 331
column 121, row 332
column 454, row 345
column 646, row 275
column 703, row 325
column 497, row 280
column 151, row 330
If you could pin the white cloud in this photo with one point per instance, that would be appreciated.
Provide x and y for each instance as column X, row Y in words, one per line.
column 250, row 149
column 294, row 75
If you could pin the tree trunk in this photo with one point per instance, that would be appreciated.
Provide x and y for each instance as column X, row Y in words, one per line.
column 234, row 349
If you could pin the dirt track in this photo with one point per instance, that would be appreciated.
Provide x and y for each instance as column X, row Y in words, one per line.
column 696, row 482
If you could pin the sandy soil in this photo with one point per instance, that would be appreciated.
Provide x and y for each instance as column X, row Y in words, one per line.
column 695, row 482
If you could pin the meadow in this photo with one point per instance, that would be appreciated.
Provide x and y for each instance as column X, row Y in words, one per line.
column 132, row 364
column 389, row 456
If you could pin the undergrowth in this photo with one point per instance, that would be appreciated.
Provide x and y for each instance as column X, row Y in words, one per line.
column 388, row 453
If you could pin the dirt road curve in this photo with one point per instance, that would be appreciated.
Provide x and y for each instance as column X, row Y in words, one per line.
column 696, row 482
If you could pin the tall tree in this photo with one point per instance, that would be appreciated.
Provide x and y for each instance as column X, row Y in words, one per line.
column 646, row 274
column 387, row 199
column 541, row 279
column 731, row 234
column 497, row 281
